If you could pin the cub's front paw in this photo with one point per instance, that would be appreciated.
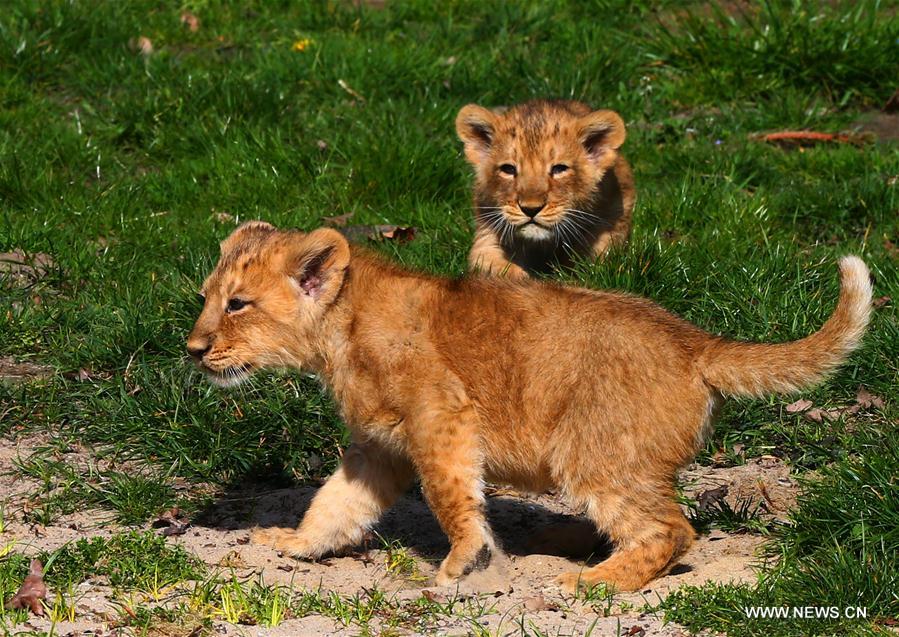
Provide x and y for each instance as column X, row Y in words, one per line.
column 445, row 579
column 489, row 572
column 596, row 576
column 287, row 540
column 569, row 582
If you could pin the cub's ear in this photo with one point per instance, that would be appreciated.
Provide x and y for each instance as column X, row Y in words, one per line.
column 602, row 133
column 319, row 265
column 475, row 126
column 243, row 231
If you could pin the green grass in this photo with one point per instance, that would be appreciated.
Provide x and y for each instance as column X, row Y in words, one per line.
column 119, row 165
column 742, row 518
column 130, row 497
column 158, row 585
column 140, row 561
column 132, row 562
column 841, row 550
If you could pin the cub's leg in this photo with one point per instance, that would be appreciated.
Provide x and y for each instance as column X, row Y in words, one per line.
column 368, row 481
column 488, row 256
column 444, row 445
column 649, row 535
column 617, row 189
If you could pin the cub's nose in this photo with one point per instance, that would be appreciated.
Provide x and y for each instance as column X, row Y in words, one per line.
column 197, row 347
column 531, row 211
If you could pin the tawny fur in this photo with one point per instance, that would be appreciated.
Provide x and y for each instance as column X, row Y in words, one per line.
column 600, row 395
column 557, row 159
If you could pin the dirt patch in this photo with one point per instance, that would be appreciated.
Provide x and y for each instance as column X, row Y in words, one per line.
column 763, row 482
column 541, row 535
column 13, row 371
column 19, row 270
column 741, row 11
column 883, row 127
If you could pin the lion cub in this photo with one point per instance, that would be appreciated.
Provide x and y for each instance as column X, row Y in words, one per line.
column 549, row 184
column 600, row 395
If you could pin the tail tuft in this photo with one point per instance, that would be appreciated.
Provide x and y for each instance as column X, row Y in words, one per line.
column 756, row 369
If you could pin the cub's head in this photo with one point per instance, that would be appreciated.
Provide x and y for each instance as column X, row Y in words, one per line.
column 538, row 164
column 264, row 301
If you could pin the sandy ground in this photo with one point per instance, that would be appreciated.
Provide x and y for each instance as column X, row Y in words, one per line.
column 541, row 536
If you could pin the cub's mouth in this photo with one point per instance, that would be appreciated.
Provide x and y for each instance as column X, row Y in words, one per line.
column 230, row 376
column 534, row 230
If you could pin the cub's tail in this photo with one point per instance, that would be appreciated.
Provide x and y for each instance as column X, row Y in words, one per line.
column 755, row 369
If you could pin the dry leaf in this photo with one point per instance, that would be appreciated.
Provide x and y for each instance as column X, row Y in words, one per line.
column 538, row 603
column 866, row 399
column 174, row 513
column 820, row 415
column 338, row 221
column 863, row 400
column 169, row 522
column 191, row 21
column 144, row 46
column 882, row 301
column 178, row 528
column 800, row 405
column 397, row 232
column 707, row 498
column 32, row 591
column 379, row 233
column 635, row 631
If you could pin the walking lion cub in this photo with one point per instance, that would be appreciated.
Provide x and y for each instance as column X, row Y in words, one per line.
column 600, row 395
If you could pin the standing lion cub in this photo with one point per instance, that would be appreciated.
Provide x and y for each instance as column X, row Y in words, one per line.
column 549, row 184
column 600, row 395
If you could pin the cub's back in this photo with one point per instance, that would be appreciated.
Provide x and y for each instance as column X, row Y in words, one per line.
column 527, row 337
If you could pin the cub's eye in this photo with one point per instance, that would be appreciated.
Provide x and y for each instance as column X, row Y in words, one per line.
column 201, row 299
column 558, row 169
column 508, row 169
column 235, row 304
